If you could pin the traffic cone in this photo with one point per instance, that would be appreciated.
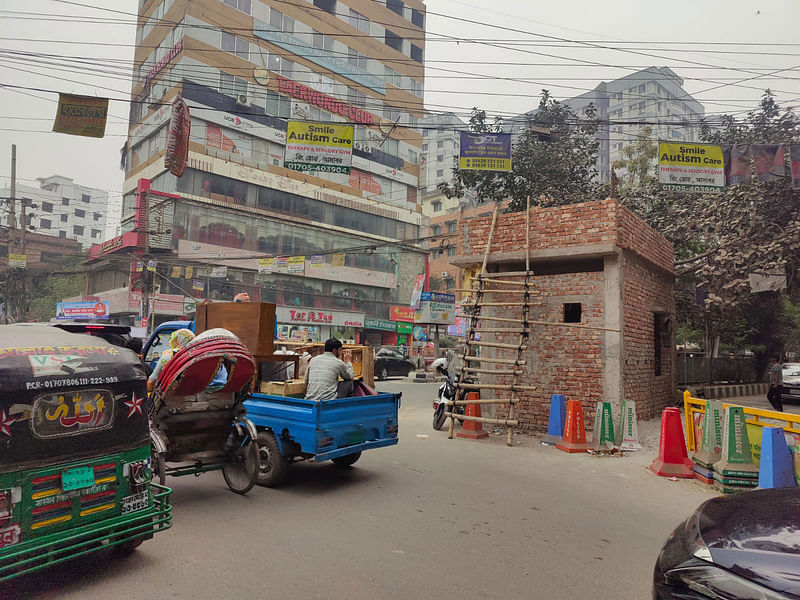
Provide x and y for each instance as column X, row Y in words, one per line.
column 574, row 439
column 736, row 460
column 710, row 447
column 627, row 431
column 558, row 414
column 672, row 461
column 472, row 429
column 603, row 436
column 776, row 461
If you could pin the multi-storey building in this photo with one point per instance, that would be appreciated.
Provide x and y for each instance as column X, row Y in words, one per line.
column 652, row 97
column 246, row 67
column 62, row 208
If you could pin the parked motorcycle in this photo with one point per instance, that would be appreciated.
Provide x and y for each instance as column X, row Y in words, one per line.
column 447, row 392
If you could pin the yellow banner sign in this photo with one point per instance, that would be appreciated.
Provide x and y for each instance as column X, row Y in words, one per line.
column 81, row 115
column 296, row 265
column 319, row 147
column 691, row 168
column 337, row 260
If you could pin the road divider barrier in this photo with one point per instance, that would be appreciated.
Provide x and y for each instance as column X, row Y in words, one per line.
column 775, row 470
column 555, row 424
column 672, row 461
column 472, row 430
column 603, row 434
column 735, row 471
column 574, row 439
column 627, row 431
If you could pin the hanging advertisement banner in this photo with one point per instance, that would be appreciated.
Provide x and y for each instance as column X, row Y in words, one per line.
column 188, row 273
column 265, row 265
column 176, row 272
column 178, row 133
column 319, row 147
column 296, row 265
column 416, row 294
column 198, row 285
column 82, row 310
column 337, row 260
column 218, row 272
column 81, row 115
column 19, row 261
column 737, row 164
column 769, row 162
column 485, row 151
column 281, row 264
column 317, row 261
column 691, row 168
column 794, row 158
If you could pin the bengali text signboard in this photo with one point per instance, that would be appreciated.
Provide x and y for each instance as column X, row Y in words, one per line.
column 81, row 115
column 485, row 152
column 319, row 147
column 691, row 168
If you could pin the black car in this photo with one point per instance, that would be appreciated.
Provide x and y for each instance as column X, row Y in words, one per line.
column 389, row 362
column 744, row 546
column 790, row 389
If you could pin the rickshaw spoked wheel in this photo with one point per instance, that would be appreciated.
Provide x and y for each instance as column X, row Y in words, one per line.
column 241, row 468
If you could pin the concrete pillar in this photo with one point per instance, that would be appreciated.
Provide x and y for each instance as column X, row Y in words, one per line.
column 613, row 346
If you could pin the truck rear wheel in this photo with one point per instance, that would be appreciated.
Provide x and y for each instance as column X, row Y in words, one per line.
column 346, row 461
column 273, row 466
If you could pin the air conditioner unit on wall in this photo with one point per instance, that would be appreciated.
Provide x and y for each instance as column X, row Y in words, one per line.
column 242, row 100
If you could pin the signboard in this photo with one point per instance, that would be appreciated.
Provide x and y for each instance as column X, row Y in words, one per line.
column 404, row 327
column 438, row 297
column 380, row 325
column 401, row 313
column 81, row 115
column 237, row 123
column 82, row 310
column 691, row 168
column 416, row 294
column 419, row 334
column 265, row 265
column 485, row 151
column 315, row 316
column 296, row 265
column 436, row 313
column 352, row 114
column 18, row 260
column 317, row 261
column 337, row 260
column 319, row 147
column 218, row 272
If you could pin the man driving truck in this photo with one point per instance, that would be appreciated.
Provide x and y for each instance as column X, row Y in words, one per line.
column 323, row 372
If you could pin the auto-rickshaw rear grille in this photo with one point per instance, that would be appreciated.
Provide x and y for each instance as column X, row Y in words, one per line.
column 100, row 499
column 52, row 514
column 105, row 473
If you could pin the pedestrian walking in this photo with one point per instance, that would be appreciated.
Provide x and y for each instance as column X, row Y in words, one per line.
column 775, row 381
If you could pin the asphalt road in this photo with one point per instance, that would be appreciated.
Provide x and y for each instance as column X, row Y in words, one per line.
column 430, row 517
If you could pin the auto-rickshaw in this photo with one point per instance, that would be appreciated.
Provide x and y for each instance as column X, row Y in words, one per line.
column 74, row 450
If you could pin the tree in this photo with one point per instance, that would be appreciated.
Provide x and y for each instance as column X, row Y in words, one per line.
column 638, row 163
column 554, row 161
column 720, row 239
column 52, row 287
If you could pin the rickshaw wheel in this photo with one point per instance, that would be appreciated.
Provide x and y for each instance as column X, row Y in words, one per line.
column 242, row 467
column 272, row 464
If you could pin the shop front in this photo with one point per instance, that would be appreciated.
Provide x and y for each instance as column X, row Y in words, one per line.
column 404, row 317
column 379, row 332
column 299, row 324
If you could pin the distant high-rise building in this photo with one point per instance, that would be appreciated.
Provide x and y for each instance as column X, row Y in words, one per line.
column 652, row 97
column 62, row 208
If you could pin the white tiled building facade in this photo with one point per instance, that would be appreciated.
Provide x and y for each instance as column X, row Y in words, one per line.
column 61, row 208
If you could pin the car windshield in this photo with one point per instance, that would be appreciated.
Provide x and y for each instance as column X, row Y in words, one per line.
column 160, row 343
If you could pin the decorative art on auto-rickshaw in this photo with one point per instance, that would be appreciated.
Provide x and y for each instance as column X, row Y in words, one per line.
column 81, row 411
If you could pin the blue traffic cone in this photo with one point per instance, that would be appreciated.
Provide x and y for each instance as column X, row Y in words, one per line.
column 776, row 461
column 558, row 416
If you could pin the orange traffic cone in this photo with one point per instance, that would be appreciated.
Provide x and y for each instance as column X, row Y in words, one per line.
column 672, row 461
column 574, row 429
column 472, row 429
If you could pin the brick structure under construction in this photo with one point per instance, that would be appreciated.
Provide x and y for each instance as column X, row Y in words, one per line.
column 596, row 265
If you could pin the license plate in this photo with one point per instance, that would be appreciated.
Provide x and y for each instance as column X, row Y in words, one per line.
column 77, row 478
column 135, row 502
column 356, row 437
column 10, row 535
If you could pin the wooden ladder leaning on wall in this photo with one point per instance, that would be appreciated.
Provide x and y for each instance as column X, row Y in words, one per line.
column 494, row 283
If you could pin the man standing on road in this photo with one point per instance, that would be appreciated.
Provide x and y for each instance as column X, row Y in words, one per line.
column 775, row 381
column 323, row 372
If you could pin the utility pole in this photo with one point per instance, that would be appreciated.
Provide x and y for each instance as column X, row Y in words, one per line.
column 11, row 295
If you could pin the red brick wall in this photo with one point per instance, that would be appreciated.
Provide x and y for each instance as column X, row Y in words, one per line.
column 644, row 290
column 561, row 360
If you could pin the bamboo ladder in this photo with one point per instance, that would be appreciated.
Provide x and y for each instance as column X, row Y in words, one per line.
column 520, row 325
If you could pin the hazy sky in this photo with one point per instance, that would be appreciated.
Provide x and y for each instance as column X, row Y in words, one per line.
column 589, row 42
